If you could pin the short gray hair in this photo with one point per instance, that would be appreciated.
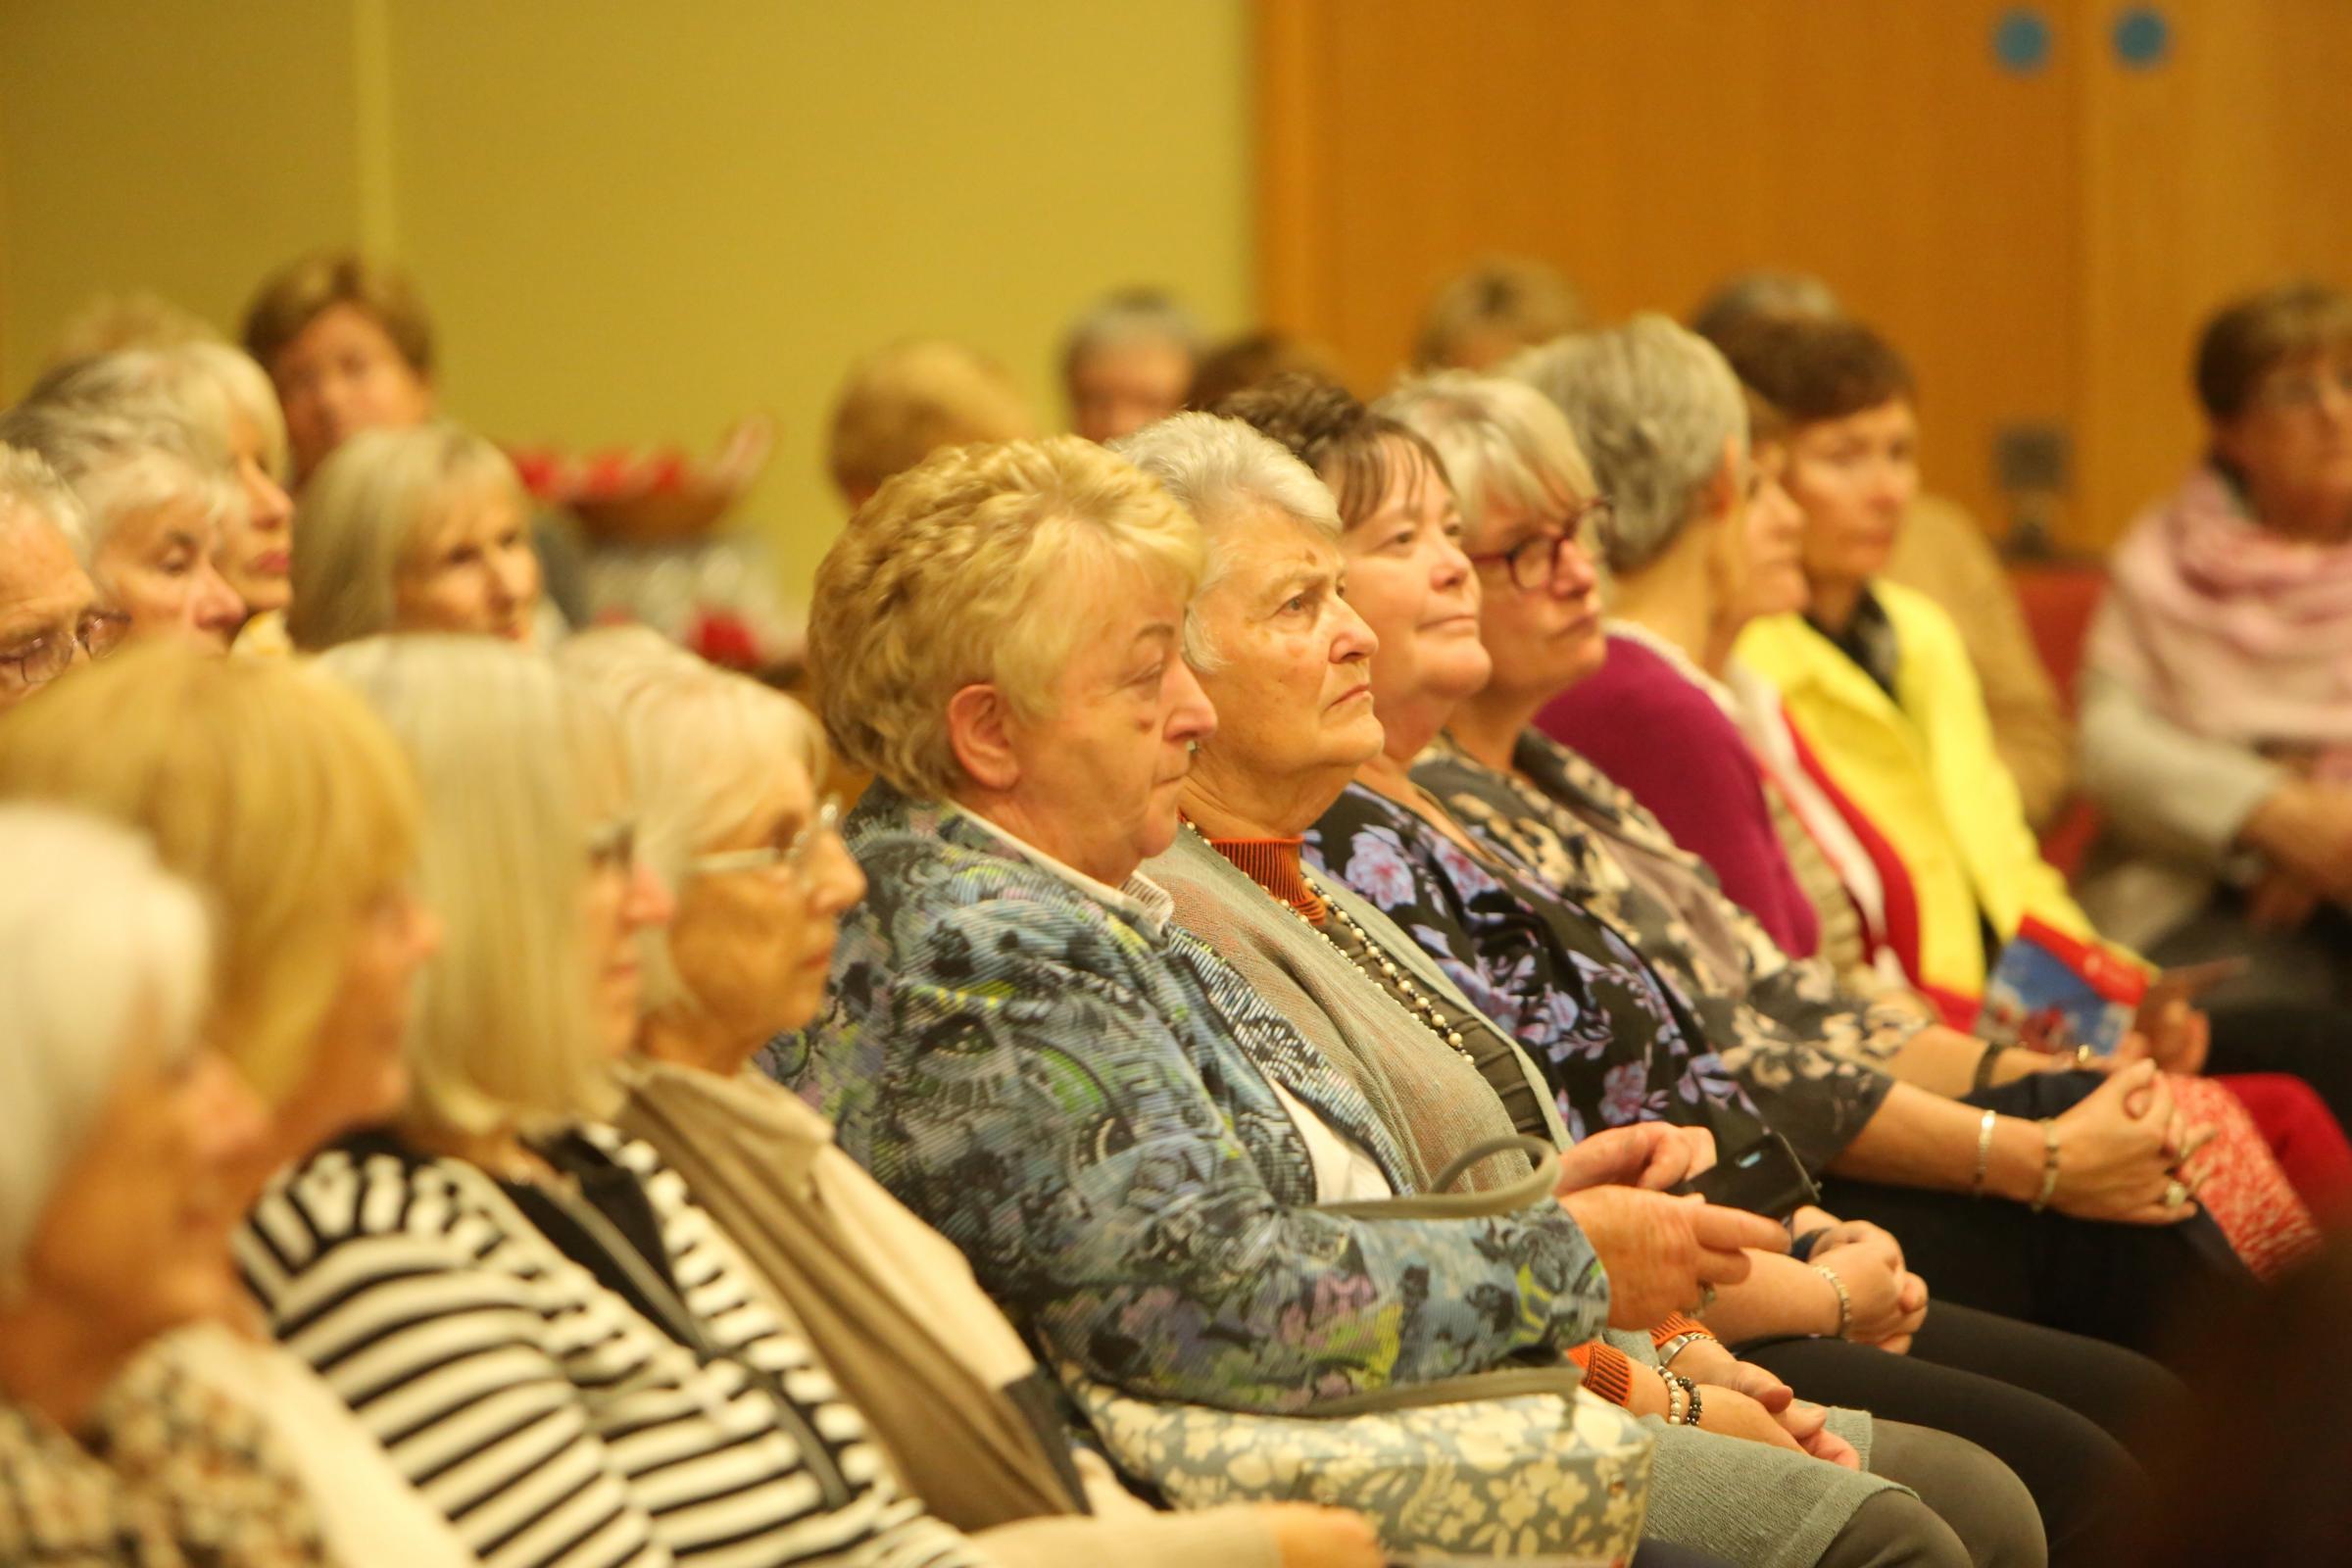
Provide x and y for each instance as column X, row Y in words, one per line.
column 364, row 511
column 119, row 447
column 1217, row 468
column 127, row 948
column 1501, row 440
column 1652, row 406
column 1125, row 316
column 31, row 491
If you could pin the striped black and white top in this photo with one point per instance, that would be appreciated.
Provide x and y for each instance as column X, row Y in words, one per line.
column 544, row 1414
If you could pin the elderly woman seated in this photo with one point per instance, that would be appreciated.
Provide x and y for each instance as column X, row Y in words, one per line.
column 2217, row 721
column 418, row 529
column 50, row 618
column 123, row 1138
column 729, row 817
column 1620, row 1031
column 278, row 795
column 548, row 1338
column 157, row 491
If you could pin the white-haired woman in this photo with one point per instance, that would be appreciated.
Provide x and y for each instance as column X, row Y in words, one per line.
column 419, row 528
column 550, row 1339
column 50, row 617
column 730, row 819
column 158, row 496
column 117, row 1178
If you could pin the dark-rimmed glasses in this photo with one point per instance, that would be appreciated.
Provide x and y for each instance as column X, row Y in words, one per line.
column 1535, row 562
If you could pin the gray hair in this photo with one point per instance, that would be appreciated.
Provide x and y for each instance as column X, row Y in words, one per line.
column 1126, row 315
column 1652, row 406
column 1218, row 468
column 361, row 514
column 1763, row 296
column 127, row 948
column 1501, row 440
column 31, row 491
column 119, row 447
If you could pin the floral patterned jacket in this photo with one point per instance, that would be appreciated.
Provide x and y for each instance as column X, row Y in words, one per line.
column 1809, row 1052
column 1618, row 1042
column 1081, row 1097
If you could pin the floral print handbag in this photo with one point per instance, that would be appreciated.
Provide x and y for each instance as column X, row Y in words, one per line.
column 1517, row 1464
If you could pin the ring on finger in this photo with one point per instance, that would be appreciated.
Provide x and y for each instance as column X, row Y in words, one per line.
column 2176, row 1192
column 1706, row 1299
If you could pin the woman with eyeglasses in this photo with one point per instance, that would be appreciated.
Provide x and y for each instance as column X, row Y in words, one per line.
column 2217, row 707
column 730, row 819
column 523, row 1304
column 50, row 617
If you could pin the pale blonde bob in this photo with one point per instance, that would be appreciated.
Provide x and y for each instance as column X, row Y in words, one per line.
column 271, row 789
column 1502, row 440
column 703, row 744
column 376, row 503
column 518, row 768
column 981, row 566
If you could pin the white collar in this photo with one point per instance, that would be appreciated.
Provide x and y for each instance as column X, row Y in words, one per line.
column 1143, row 902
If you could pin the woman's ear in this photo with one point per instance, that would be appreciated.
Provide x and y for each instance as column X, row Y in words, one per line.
column 980, row 734
column 1727, row 486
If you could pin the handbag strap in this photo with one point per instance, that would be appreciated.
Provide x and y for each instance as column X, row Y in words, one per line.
column 1437, row 1203
column 1503, row 1382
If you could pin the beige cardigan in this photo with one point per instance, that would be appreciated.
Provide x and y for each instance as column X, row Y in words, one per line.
column 767, row 1169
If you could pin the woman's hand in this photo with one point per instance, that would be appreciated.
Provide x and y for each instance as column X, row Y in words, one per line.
column 1889, row 1304
column 1809, row 1424
column 2116, row 1151
column 1730, row 1413
column 1650, row 1154
column 1663, row 1253
column 2176, row 1037
column 1308, row 1534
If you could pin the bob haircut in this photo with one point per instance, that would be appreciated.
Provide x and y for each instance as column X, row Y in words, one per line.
column 1502, row 440
column 1652, row 405
column 370, row 509
column 703, row 744
column 1357, row 452
column 127, row 949
column 300, row 292
column 981, row 565
column 518, row 768
column 2250, row 337
column 1816, row 369
column 121, row 457
column 271, row 789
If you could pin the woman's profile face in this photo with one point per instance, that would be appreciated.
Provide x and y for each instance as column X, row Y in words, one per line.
column 1547, row 637
column 1290, row 661
column 754, row 946
column 255, row 553
column 1408, row 577
column 1854, row 477
column 619, row 896
column 473, row 570
column 157, row 568
column 135, row 1240
column 1774, row 539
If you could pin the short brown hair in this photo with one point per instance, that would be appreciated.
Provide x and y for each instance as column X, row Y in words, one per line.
column 1329, row 430
column 1814, row 368
column 1510, row 298
column 2251, row 336
column 901, row 404
column 300, row 292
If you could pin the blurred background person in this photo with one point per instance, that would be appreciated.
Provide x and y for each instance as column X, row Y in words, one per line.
column 1251, row 360
column 900, row 404
column 1491, row 309
column 347, row 342
column 2217, row 689
column 50, row 618
column 1128, row 361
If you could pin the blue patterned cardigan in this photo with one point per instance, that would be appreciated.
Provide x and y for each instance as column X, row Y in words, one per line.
column 1077, row 1095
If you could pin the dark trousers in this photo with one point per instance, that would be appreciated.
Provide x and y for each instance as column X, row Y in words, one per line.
column 2052, row 1407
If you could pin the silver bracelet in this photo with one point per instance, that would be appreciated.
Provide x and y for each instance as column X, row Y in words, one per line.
column 1976, row 1188
column 2049, row 1165
column 1845, row 1299
column 1678, row 1344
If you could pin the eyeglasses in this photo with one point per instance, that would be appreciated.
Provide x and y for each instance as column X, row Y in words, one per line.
column 789, row 858
column 43, row 660
column 1536, row 562
column 2308, row 389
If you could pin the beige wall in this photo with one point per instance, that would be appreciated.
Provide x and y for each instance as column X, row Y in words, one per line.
column 635, row 222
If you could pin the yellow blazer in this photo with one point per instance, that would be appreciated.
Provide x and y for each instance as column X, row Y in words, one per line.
column 1924, row 769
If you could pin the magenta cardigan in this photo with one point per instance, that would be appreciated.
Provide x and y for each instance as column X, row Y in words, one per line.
column 1640, row 721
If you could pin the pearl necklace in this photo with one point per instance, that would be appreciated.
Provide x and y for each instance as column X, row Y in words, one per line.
column 1395, row 984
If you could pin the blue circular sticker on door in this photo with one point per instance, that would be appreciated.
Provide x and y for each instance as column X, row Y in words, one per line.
column 2021, row 40
column 2142, row 37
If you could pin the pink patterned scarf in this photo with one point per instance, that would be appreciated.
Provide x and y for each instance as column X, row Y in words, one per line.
column 2230, row 630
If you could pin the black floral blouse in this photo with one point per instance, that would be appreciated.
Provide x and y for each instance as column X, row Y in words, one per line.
column 1808, row 1052
column 1617, row 1040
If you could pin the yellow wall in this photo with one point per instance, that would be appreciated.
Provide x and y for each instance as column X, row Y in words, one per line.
column 635, row 222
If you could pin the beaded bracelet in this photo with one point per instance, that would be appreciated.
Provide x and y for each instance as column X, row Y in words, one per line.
column 1845, row 1299
column 2049, row 1165
column 1676, row 1397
